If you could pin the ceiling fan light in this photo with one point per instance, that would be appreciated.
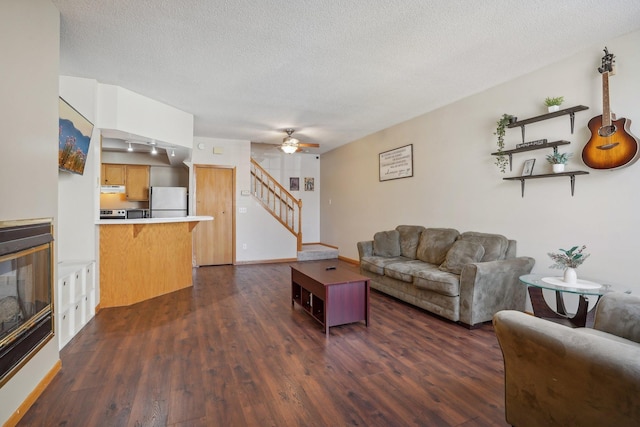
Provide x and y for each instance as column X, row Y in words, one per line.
column 289, row 149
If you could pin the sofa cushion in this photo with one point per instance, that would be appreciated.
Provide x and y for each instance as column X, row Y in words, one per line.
column 404, row 271
column 495, row 245
column 386, row 243
column 434, row 244
column 409, row 239
column 376, row 264
column 434, row 279
column 462, row 252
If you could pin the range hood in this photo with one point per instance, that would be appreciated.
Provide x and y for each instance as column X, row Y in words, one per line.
column 112, row 189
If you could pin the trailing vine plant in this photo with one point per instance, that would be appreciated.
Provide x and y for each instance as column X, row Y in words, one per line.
column 502, row 160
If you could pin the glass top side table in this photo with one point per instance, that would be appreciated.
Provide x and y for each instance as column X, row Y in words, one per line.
column 584, row 289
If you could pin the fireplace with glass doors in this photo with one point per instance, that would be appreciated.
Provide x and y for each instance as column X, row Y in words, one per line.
column 26, row 277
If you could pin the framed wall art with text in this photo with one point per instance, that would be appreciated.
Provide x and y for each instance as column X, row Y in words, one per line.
column 396, row 163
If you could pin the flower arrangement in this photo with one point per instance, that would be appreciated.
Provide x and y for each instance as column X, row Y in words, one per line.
column 571, row 258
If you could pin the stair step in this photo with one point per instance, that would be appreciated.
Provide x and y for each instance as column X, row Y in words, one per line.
column 316, row 252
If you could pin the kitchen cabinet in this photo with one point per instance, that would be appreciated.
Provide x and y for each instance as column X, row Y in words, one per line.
column 137, row 183
column 113, row 174
column 75, row 298
column 135, row 178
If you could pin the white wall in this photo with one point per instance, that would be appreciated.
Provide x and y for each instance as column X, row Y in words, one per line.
column 282, row 167
column 310, row 168
column 264, row 237
column 456, row 184
column 77, row 194
column 29, row 59
column 126, row 111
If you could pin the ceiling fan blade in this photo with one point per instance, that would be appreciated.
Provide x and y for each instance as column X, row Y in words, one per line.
column 266, row 143
column 310, row 145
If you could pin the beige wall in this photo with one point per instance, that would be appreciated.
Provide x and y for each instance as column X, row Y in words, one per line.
column 29, row 58
column 456, row 184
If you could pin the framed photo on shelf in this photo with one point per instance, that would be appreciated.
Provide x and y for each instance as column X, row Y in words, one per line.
column 527, row 170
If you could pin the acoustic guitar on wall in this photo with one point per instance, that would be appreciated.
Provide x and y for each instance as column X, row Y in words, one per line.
column 611, row 145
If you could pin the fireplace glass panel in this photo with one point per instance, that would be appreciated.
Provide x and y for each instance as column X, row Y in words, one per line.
column 24, row 289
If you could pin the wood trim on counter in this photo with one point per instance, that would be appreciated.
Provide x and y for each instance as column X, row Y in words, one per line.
column 191, row 218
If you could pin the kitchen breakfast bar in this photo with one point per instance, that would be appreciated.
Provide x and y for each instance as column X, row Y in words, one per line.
column 145, row 258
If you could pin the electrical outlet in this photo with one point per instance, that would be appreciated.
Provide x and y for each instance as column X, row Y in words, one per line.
column 244, row 246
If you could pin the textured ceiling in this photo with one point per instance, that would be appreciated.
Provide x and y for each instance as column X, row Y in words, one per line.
column 335, row 71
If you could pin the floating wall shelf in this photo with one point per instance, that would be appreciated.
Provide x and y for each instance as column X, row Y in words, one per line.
column 510, row 153
column 570, row 111
column 571, row 174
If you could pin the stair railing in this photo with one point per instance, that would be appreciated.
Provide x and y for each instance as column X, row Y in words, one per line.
column 277, row 200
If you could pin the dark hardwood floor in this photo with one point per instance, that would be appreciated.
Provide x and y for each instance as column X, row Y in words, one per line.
column 232, row 352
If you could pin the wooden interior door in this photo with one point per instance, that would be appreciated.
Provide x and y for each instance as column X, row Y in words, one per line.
column 213, row 240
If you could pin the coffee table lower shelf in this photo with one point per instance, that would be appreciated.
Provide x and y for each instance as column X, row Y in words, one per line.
column 330, row 297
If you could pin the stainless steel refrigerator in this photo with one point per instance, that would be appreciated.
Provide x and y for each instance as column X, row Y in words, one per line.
column 168, row 202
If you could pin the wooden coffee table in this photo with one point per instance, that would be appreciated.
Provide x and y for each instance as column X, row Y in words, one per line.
column 331, row 296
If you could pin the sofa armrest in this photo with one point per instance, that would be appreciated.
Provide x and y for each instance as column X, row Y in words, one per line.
column 555, row 375
column 365, row 248
column 488, row 287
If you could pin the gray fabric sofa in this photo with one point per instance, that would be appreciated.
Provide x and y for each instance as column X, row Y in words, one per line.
column 465, row 278
column 559, row 376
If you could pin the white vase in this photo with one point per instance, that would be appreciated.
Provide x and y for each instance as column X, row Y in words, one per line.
column 558, row 167
column 570, row 275
column 553, row 108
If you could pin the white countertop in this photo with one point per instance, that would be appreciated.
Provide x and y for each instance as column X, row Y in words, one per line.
column 154, row 220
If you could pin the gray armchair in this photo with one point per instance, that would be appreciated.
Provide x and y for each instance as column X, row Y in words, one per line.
column 558, row 376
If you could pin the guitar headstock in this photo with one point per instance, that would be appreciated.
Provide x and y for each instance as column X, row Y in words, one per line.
column 608, row 62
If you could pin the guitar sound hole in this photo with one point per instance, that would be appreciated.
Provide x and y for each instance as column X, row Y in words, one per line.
column 606, row 131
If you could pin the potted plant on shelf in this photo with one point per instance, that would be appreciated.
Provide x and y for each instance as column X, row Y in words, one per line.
column 558, row 161
column 569, row 260
column 553, row 104
column 502, row 161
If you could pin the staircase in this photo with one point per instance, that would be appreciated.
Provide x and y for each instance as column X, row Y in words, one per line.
column 277, row 200
column 287, row 210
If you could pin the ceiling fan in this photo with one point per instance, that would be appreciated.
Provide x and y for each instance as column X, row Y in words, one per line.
column 292, row 145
